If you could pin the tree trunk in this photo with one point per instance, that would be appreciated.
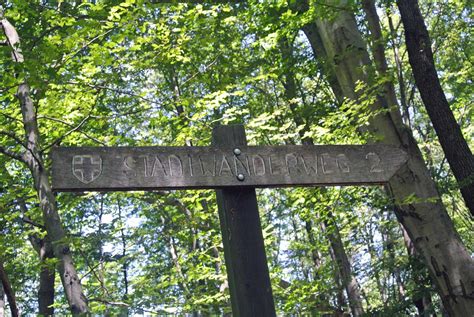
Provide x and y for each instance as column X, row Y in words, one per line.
column 72, row 286
column 378, row 51
column 349, row 281
column 44, row 249
column 389, row 245
column 2, row 301
column 7, row 288
column 340, row 299
column 422, row 303
column 33, row 159
column 374, row 259
column 449, row 133
column 424, row 217
column 401, row 80
column 344, row 269
column 46, row 290
column 47, row 275
column 123, row 238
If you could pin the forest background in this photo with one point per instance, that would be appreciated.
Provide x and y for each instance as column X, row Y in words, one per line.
column 142, row 73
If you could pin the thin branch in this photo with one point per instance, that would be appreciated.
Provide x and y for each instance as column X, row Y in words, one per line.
column 72, row 126
column 82, row 48
column 8, row 87
column 122, row 114
column 440, row 168
column 107, row 302
column 22, row 204
column 11, row 118
column 58, row 140
column 92, row 269
column 46, row 32
column 14, row 137
column 31, row 222
column 13, row 155
column 99, row 86
column 14, row 41
column 122, row 304
column 205, row 70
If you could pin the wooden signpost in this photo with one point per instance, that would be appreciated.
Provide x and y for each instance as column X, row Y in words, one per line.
column 148, row 168
column 234, row 170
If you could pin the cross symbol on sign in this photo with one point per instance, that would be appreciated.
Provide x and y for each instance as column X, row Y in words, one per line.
column 86, row 168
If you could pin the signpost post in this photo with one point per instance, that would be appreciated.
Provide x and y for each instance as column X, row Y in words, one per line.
column 234, row 170
column 244, row 250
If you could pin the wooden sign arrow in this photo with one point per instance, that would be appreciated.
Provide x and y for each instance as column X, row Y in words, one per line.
column 148, row 168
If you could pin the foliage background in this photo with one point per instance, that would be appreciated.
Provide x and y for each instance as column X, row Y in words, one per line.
column 138, row 73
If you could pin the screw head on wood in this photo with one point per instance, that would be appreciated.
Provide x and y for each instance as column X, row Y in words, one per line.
column 237, row 151
column 240, row 177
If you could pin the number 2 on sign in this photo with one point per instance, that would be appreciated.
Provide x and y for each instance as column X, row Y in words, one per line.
column 374, row 161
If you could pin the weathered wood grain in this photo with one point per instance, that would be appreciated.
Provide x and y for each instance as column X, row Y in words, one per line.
column 147, row 168
column 244, row 250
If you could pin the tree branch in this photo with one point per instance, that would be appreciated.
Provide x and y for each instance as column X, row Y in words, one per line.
column 67, row 58
column 17, row 139
column 72, row 126
column 31, row 222
column 8, row 291
column 206, row 68
column 58, row 140
column 13, row 136
column 13, row 155
column 100, row 86
column 92, row 270
column 12, row 39
column 10, row 117
column 107, row 302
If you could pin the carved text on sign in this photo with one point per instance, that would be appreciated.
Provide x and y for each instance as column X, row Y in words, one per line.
column 126, row 168
column 230, row 165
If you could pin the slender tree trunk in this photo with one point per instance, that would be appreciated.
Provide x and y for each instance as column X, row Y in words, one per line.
column 389, row 245
column 33, row 159
column 337, row 247
column 312, row 241
column 401, row 80
column 340, row 299
column 324, row 298
column 378, row 50
column 175, row 257
column 100, row 246
column 2, row 301
column 311, row 32
column 47, row 276
column 304, row 270
column 43, row 247
column 123, row 239
column 376, row 272
column 46, row 289
column 422, row 303
column 449, row 133
column 424, row 218
column 349, row 281
column 72, row 286
column 7, row 288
